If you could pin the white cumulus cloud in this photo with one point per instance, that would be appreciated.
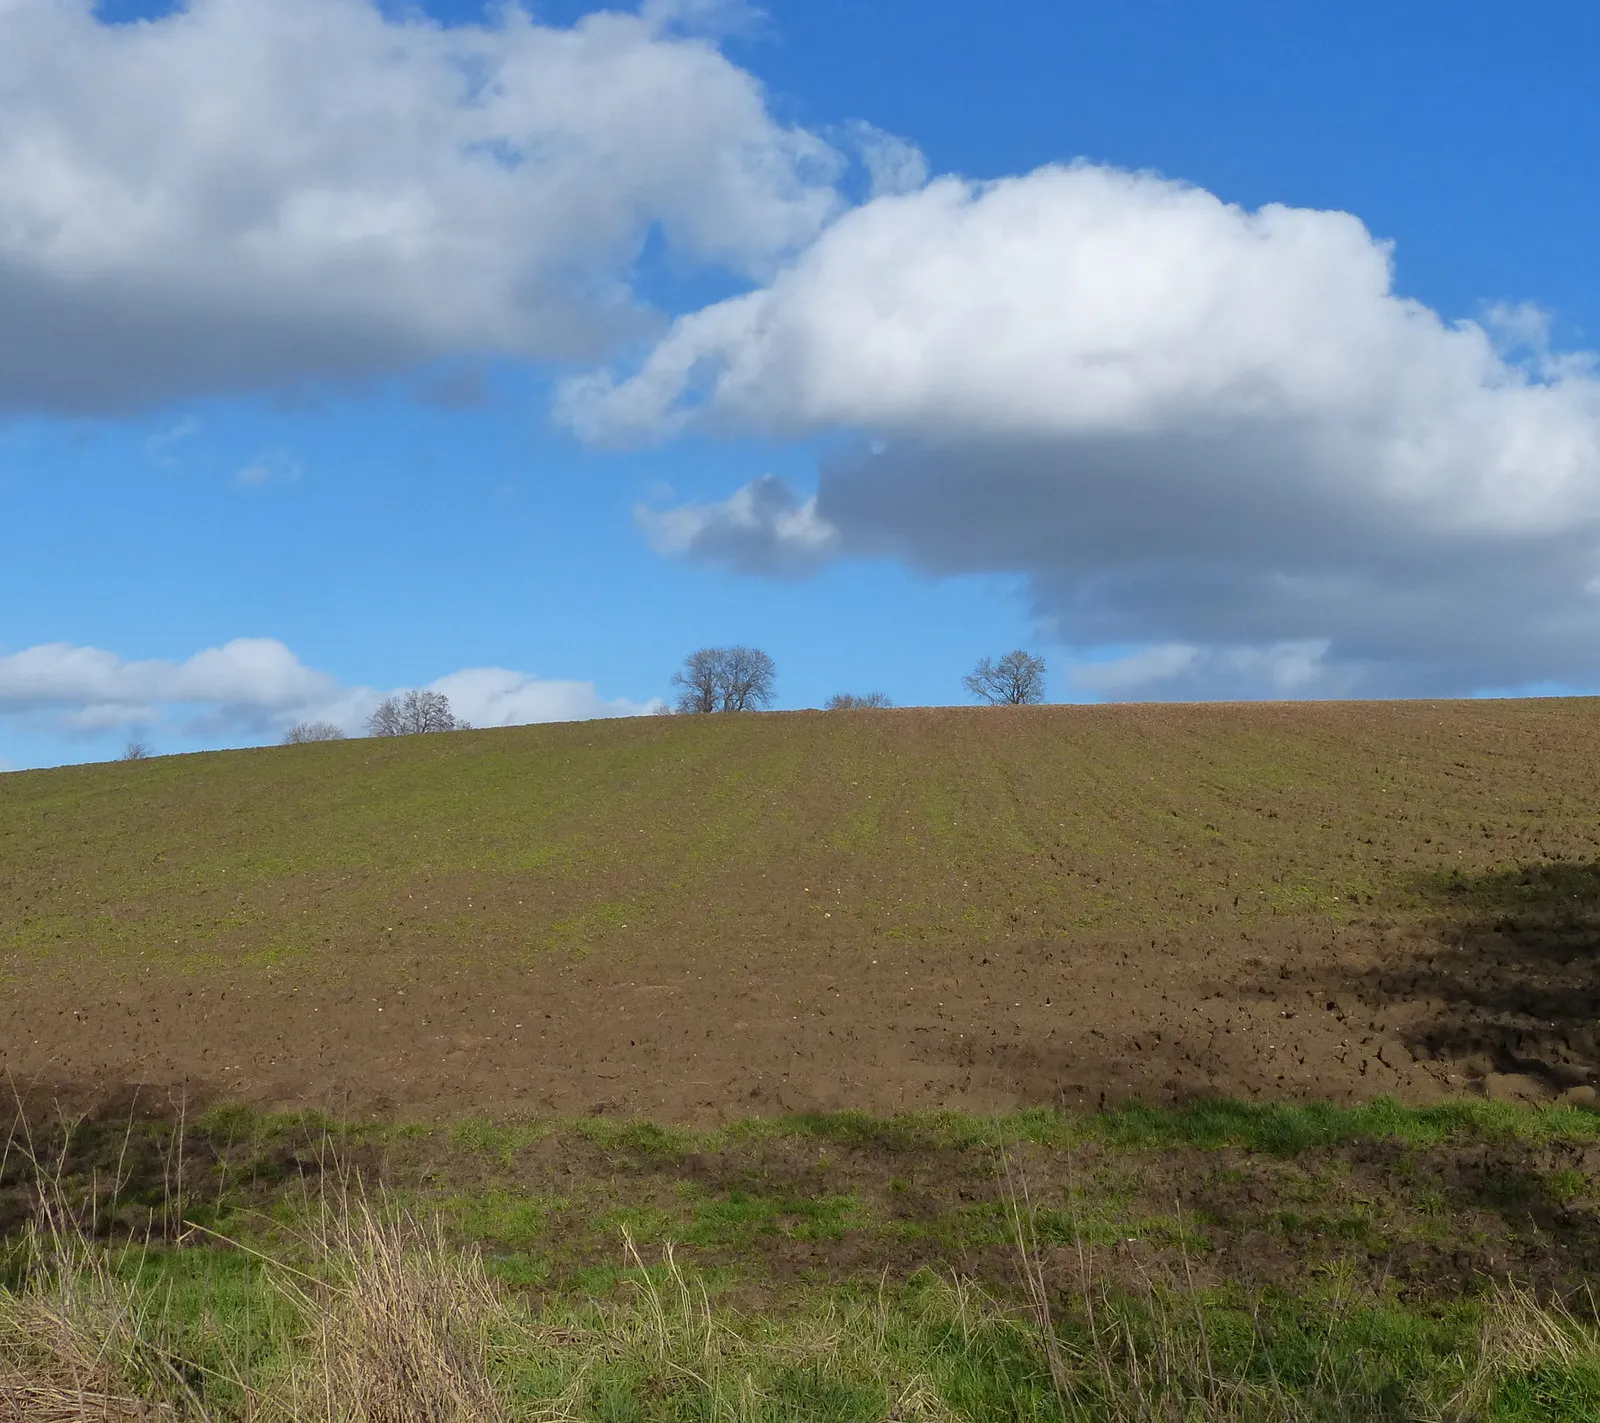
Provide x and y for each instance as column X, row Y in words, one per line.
column 1190, row 425
column 88, row 688
column 250, row 192
column 257, row 687
column 493, row 696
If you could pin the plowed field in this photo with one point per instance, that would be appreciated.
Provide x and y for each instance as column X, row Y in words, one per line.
column 694, row 919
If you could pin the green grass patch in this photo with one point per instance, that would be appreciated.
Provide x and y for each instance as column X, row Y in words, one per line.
column 380, row 1308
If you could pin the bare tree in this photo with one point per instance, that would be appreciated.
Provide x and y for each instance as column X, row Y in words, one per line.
column 748, row 675
column 846, row 701
column 136, row 751
column 700, row 680
column 1017, row 679
column 413, row 714
column 725, row 679
column 304, row 731
column 385, row 719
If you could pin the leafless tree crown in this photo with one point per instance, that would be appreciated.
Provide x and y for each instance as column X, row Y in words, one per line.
column 136, row 751
column 413, row 713
column 847, row 701
column 304, row 731
column 1017, row 679
column 725, row 679
column 700, row 681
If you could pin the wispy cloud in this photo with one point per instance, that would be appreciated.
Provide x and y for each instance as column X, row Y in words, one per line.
column 269, row 467
column 161, row 449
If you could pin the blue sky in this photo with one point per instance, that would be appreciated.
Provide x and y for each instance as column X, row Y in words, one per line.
column 341, row 379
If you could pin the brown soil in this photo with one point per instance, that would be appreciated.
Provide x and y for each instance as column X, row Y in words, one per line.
column 734, row 990
column 718, row 1033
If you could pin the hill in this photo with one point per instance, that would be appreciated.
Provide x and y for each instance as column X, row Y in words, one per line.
column 697, row 918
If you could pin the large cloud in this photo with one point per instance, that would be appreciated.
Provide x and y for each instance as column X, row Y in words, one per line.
column 1214, row 434
column 254, row 686
column 258, row 191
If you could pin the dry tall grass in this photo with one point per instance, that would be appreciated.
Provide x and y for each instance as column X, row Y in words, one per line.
column 401, row 1324
column 666, row 1333
column 77, row 1342
column 395, row 1323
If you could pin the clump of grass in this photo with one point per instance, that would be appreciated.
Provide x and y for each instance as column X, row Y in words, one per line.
column 400, row 1323
column 77, row 1339
column 663, row 1347
column 1534, row 1359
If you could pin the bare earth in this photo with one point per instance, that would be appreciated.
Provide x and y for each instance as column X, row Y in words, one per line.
column 1003, row 990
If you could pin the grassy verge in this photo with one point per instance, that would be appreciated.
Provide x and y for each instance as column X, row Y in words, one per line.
column 375, row 1315
column 1217, row 1262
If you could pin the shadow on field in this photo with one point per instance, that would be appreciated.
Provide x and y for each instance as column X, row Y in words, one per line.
column 130, row 1165
column 1509, row 981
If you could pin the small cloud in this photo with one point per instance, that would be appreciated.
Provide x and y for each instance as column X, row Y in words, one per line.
column 161, row 448
column 763, row 528
column 269, row 467
column 497, row 696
